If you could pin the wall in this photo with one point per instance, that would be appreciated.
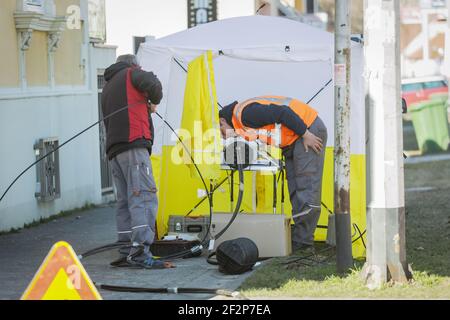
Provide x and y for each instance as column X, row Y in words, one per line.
column 36, row 60
column 9, row 62
column 23, row 121
column 41, row 110
column 69, row 68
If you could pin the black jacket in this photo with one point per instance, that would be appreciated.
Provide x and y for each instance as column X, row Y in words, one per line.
column 256, row 115
column 133, row 127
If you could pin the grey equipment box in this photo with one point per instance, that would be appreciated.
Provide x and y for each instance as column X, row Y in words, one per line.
column 195, row 225
column 270, row 232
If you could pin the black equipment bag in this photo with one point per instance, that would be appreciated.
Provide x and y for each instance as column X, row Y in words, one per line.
column 237, row 256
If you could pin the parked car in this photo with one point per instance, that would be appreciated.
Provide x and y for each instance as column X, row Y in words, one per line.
column 419, row 89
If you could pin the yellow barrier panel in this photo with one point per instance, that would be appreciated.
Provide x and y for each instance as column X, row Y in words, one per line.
column 61, row 277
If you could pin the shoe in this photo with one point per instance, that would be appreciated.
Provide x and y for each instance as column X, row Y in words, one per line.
column 125, row 250
column 304, row 249
column 149, row 263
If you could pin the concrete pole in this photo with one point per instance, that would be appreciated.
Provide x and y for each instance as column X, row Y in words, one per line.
column 386, row 249
column 344, row 257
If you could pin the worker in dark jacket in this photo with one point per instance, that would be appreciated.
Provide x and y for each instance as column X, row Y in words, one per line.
column 129, row 138
column 296, row 128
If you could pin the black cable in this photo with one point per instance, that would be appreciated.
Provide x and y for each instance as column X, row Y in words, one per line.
column 235, row 213
column 355, row 226
column 113, row 245
column 262, row 6
column 199, row 173
column 206, row 197
column 306, row 257
column 104, row 248
column 63, row 144
column 360, row 235
column 239, row 202
column 165, row 290
column 318, row 92
column 187, row 150
column 325, row 206
column 209, row 196
column 203, row 241
column 185, row 70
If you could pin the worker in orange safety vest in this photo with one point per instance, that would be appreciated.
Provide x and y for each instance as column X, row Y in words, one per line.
column 297, row 129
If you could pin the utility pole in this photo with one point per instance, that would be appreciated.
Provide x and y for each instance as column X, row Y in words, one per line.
column 386, row 249
column 344, row 258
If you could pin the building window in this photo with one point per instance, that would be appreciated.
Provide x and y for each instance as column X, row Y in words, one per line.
column 34, row 5
column 105, row 169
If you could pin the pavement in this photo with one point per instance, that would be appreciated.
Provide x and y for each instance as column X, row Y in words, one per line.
column 22, row 253
column 428, row 158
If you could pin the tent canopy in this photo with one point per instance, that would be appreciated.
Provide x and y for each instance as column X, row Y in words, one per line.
column 248, row 32
column 254, row 56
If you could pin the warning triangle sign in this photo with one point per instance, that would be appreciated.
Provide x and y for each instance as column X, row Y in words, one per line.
column 61, row 277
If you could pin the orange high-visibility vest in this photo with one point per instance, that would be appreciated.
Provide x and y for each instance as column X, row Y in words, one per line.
column 273, row 134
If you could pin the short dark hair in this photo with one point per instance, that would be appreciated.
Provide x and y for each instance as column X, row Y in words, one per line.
column 128, row 58
column 227, row 113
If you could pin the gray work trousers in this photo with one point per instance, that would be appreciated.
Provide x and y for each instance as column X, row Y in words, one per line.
column 137, row 201
column 304, row 174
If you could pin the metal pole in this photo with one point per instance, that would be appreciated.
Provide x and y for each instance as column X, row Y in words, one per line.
column 386, row 252
column 344, row 257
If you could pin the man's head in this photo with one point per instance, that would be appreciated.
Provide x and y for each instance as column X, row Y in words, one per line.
column 225, row 120
column 128, row 58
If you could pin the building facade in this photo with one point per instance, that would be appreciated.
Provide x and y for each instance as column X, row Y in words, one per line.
column 50, row 77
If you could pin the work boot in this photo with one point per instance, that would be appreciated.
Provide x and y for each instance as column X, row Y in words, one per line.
column 141, row 256
column 149, row 263
column 303, row 249
column 125, row 250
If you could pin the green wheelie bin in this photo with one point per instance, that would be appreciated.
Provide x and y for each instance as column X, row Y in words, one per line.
column 430, row 121
column 440, row 96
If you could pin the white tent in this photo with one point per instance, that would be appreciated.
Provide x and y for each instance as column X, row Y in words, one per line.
column 254, row 56
column 261, row 55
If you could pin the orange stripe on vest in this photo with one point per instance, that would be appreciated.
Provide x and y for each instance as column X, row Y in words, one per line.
column 269, row 133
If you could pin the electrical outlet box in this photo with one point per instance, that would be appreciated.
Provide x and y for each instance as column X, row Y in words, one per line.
column 48, row 185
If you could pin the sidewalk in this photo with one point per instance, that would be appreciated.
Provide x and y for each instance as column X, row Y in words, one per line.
column 22, row 253
column 428, row 158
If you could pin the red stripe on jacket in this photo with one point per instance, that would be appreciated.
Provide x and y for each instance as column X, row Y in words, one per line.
column 137, row 112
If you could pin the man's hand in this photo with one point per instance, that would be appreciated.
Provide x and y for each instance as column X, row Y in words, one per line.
column 312, row 141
